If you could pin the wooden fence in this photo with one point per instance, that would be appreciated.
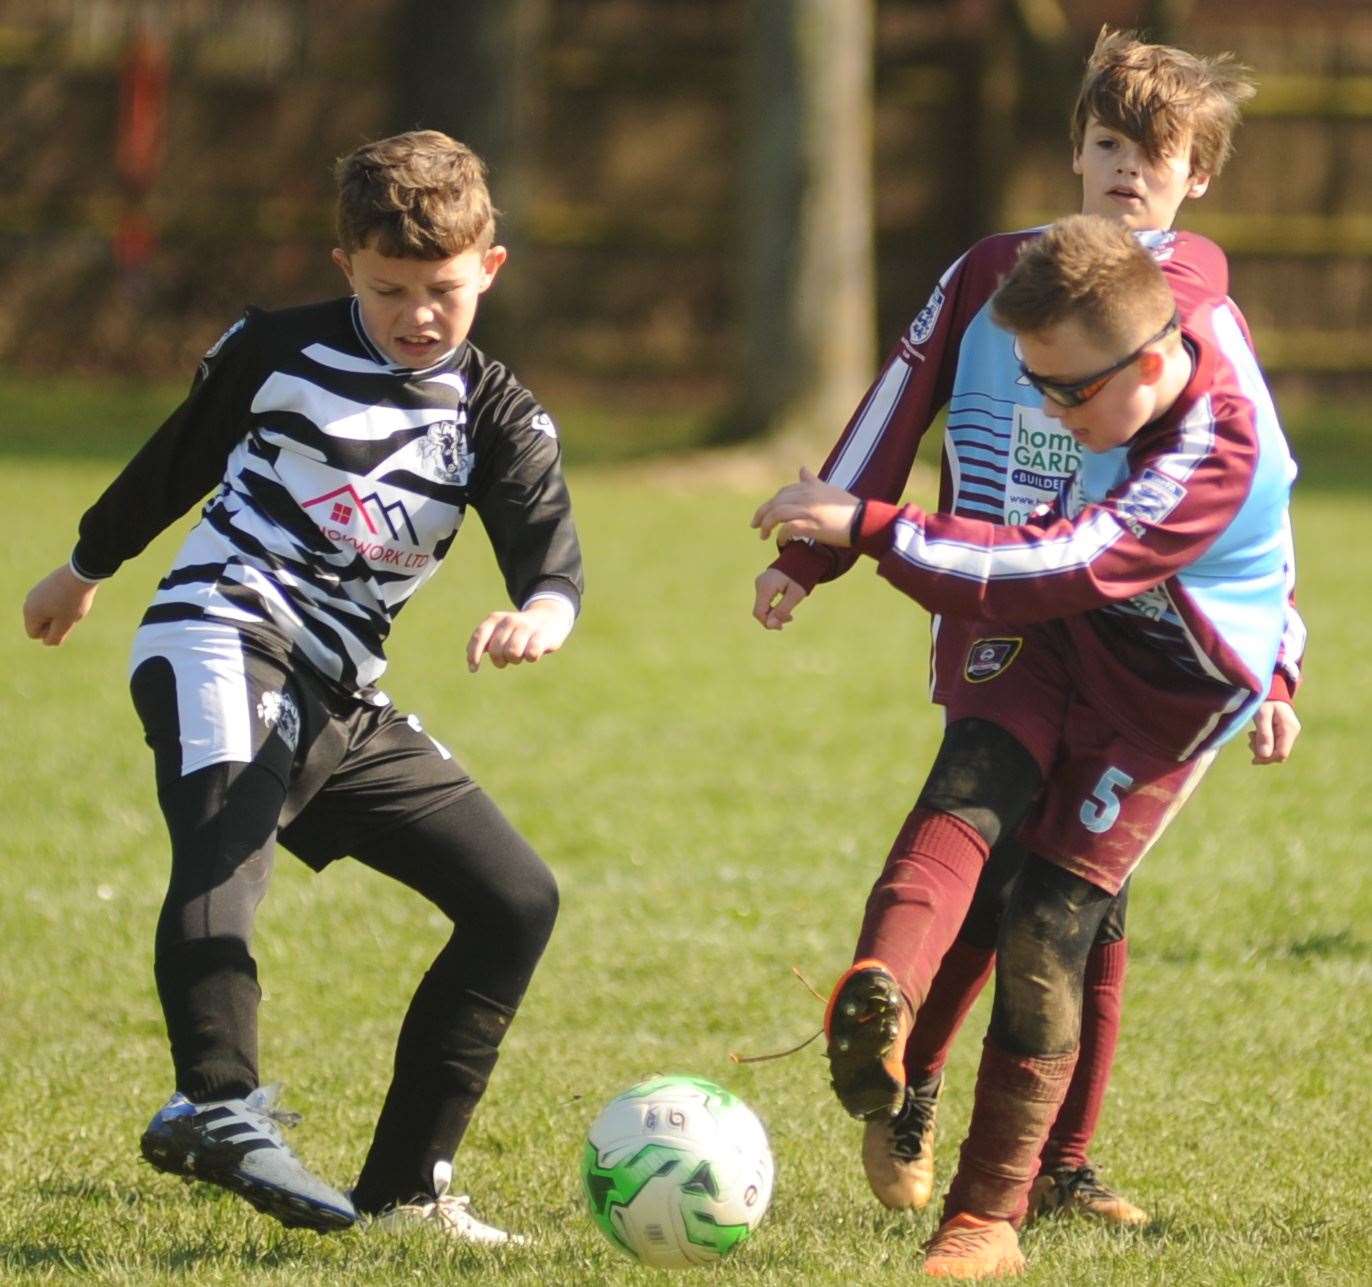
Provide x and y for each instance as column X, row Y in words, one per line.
column 614, row 130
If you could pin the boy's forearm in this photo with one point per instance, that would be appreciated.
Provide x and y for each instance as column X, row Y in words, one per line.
column 165, row 478
column 808, row 563
column 975, row 569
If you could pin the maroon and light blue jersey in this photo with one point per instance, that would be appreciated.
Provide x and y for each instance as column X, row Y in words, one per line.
column 1004, row 460
column 1167, row 559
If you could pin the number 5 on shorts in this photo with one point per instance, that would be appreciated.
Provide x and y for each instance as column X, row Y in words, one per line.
column 1102, row 808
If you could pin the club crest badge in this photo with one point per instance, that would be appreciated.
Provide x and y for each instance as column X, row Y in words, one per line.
column 446, row 452
column 987, row 658
column 925, row 320
column 279, row 711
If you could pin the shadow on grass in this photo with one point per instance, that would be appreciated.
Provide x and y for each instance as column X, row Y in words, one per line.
column 36, row 1258
column 1334, row 945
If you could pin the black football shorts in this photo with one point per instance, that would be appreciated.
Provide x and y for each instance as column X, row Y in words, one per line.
column 352, row 766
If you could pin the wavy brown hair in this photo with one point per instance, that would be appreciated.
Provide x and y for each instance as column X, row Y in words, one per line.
column 1156, row 95
column 419, row 195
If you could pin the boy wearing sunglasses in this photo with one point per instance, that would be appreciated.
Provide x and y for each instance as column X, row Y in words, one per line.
column 1151, row 126
column 1122, row 639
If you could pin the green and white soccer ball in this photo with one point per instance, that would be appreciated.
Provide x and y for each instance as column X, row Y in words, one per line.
column 677, row 1171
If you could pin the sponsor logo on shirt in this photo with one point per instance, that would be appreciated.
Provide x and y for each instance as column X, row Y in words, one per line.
column 345, row 508
column 1042, row 457
column 987, row 658
column 347, row 503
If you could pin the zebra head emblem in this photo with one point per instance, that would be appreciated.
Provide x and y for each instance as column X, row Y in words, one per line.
column 446, row 452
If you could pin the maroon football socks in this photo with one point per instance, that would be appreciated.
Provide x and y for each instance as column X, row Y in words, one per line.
column 918, row 903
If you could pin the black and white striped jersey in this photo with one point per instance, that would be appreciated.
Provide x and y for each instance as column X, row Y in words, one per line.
column 342, row 481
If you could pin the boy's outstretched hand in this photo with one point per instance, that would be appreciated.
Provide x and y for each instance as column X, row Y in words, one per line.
column 56, row 604
column 775, row 596
column 809, row 508
column 1275, row 730
column 508, row 638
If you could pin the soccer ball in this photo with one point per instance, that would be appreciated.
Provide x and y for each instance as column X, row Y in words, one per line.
column 677, row 1171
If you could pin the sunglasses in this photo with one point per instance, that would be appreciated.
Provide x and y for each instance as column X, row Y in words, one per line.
column 1072, row 393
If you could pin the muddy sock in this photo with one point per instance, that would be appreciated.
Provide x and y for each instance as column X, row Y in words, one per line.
column 1017, row 1098
column 1100, row 1027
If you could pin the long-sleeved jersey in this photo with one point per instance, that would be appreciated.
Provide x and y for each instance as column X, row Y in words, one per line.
column 342, row 481
column 1167, row 560
column 1003, row 458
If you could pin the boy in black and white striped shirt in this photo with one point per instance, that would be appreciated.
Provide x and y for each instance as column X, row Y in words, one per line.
column 346, row 441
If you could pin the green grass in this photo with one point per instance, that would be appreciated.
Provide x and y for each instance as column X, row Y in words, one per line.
column 65, row 416
column 715, row 801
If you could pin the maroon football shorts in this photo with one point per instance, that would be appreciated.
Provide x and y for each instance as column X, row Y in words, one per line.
column 1105, row 800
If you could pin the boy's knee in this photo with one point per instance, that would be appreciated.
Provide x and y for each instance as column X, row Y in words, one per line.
column 1047, row 933
column 1037, row 1009
column 523, row 907
column 983, row 776
column 542, row 900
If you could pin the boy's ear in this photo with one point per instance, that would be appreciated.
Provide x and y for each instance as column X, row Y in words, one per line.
column 491, row 262
column 1076, row 161
column 340, row 257
column 1200, row 183
column 1150, row 366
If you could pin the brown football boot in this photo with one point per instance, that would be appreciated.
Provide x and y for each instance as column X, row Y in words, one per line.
column 1076, row 1189
column 966, row 1246
column 898, row 1152
column 867, row 1024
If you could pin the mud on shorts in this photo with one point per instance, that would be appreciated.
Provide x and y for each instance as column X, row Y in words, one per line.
column 1105, row 800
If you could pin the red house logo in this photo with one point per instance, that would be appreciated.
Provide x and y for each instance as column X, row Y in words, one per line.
column 346, row 500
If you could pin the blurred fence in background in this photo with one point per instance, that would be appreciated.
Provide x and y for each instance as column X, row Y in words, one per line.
column 166, row 161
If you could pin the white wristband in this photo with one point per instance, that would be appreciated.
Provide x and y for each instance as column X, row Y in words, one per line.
column 81, row 576
column 557, row 598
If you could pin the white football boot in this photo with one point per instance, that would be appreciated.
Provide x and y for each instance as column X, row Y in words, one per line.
column 237, row 1144
column 448, row 1214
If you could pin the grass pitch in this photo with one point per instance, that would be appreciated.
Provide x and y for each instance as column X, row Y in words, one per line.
column 715, row 801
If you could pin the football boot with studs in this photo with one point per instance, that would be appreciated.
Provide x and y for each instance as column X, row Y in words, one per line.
column 237, row 1145
column 867, row 1024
